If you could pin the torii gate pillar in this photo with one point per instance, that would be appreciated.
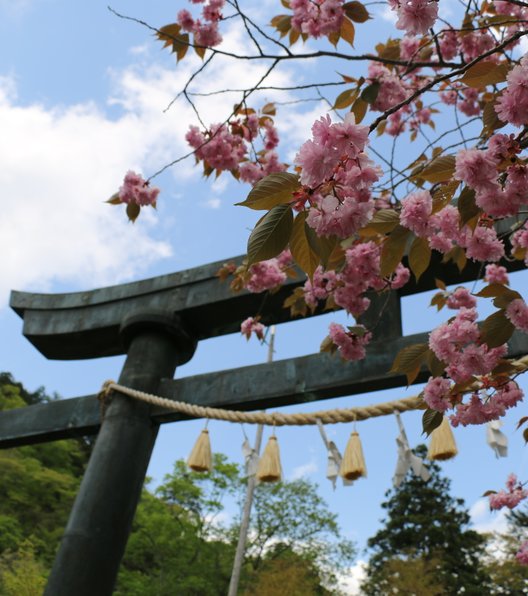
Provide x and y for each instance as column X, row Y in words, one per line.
column 94, row 541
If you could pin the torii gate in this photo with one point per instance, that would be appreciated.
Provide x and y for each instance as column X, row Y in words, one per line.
column 157, row 323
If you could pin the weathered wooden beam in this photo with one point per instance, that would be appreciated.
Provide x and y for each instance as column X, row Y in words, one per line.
column 280, row 383
column 86, row 324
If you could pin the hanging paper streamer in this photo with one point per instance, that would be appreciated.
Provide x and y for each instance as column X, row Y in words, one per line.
column 201, row 459
column 353, row 464
column 269, row 467
column 442, row 445
column 496, row 439
column 407, row 459
column 250, row 458
column 334, row 458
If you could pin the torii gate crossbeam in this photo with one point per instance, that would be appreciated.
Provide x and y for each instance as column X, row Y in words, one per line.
column 157, row 323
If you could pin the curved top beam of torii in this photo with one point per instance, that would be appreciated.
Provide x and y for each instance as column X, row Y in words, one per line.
column 86, row 324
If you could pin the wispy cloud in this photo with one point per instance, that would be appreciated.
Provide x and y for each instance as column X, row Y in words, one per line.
column 304, row 470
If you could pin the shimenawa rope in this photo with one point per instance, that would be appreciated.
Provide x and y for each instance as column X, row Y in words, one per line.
column 277, row 418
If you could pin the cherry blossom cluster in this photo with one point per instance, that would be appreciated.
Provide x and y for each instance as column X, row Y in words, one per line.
column 496, row 274
column 360, row 273
column 415, row 16
column 227, row 147
column 135, row 190
column 317, row 17
column 443, row 230
column 496, row 194
column 522, row 553
column 512, row 105
column 510, row 497
column 252, row 325
column 517, row 312
column 459, row 345
column 205, row 31
column 268, row 275
column 483, row 407
column 350, row 344
column 337, row 176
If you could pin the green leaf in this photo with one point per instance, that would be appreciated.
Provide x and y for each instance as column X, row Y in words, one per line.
column 393, row 250
column 442, row 196
column 272, row 190
column 300, row 246
column 132, row 211
column 359, row 109
column 345, row 99
column 348, row 31
column 370, row 93
column 494, row 290
column 490, row 119
column 431, row 419
column 525, row 435
column 168, row 34
column 324, row 246
column 466, row 205
column 358, row 330
column 114, row 199
column 271, row 234
column 269, row 109
column 180, row 45
column 496, row 329
column 356, row 12
column 521, row 422
column 434, row 364
column 419, row 257
column 440, row 169
column 384, row 221
column 409, row 361
column 485, row 73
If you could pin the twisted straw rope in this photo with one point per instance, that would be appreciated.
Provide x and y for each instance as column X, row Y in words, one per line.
column 276, row 418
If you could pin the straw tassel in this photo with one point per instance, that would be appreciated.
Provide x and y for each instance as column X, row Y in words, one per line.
column 269, row 468
column 353, row 463
column 442, row 445
column 200, row 459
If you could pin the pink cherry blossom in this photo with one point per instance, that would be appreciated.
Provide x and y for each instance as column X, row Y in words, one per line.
column 252, row 325
column 317, row 17
column 416, row 16
column 461, row 298
column 136, row 190
column 437, row 393
column 416, row 210
column 522, row 553
column 350, row 345
column 496, row 274
column 484, row 245
column 510, row 498
column 512, row 105
column 517, row 312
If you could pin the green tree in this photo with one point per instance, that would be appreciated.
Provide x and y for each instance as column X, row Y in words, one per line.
column 508, row 575
column 38, row 483
column 426, row 531
column 21, row 573
column 181, row 543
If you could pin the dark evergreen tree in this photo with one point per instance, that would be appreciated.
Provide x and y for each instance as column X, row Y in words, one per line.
column 426, row 532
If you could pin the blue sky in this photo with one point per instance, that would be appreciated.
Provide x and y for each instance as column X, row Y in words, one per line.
column 82, row 95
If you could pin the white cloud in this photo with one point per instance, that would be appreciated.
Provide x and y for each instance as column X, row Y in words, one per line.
column 350, row 582
column 60, row 164
column 304, row 470
column 486, row 521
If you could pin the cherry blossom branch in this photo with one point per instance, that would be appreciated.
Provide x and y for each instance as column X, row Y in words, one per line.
column 292, row 56
column 445, row 77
